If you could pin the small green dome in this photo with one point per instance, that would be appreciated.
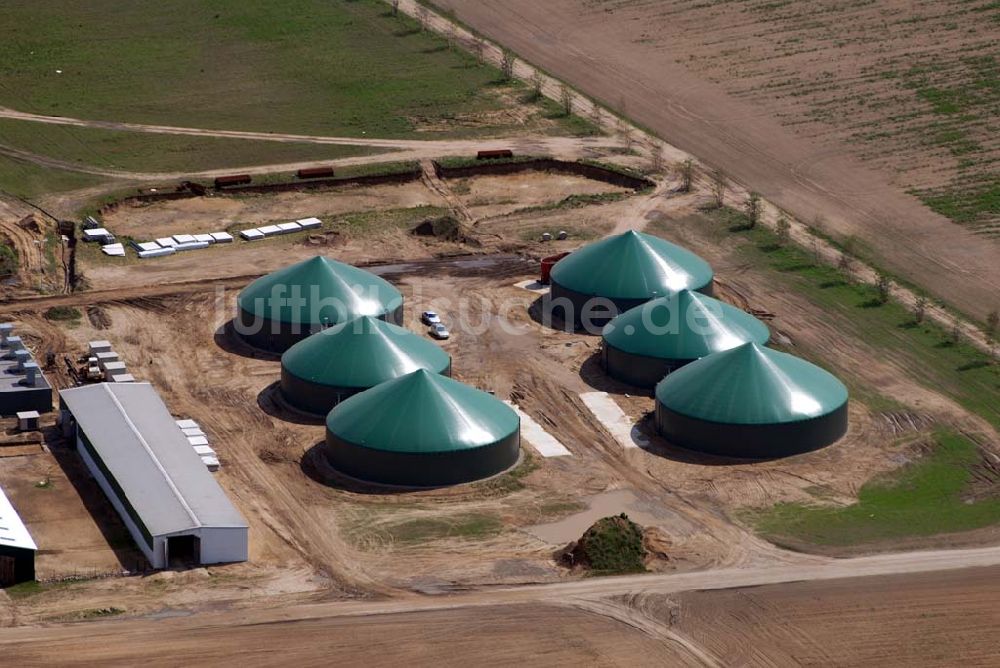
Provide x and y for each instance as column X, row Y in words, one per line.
column 632, row 265
column 422, row 413
column 362, row 353
column 687, row 326
column 751, row 385
column 328, row 293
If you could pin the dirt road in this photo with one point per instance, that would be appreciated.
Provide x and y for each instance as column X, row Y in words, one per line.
column 708, row 618
column 606, row 59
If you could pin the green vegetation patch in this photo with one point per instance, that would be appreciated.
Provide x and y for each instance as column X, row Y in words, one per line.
column 62, row 313
column 319, row 67
column 613, row 545
column 8, row 259
column 471, row 525
column 933, row 495
column 145, row 152
column 966, row 202
column 28, row 181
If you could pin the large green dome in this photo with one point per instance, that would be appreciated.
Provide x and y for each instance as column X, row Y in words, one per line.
column 362, row 353
column 422, row 413
column 683, row 327
column 632, row 266
column 751, row 385
column 333, row 293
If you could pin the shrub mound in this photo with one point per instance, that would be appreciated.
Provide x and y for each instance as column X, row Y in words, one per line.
column 612, row 545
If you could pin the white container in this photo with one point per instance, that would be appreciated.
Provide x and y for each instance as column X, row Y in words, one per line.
column 309, row 223
column 252, row 234
column 222, row 237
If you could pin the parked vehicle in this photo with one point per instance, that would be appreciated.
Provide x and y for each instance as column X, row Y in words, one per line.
column 439, row 331
column 430, row 318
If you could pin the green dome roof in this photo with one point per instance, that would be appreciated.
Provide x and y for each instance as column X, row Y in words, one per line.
column 333, row 292
column 422, row 413
column 632, row 265
column 362, row 353
column 751, row 384
column 683, row 327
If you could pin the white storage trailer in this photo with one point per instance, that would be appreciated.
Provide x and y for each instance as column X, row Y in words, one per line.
column 168, row 500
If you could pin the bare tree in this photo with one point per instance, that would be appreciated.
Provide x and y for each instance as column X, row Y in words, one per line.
column 846, row 262
column 753, row 208
column 992, row 322
column 479, row 48
column 450, row 36
column 883, row 287
column 955, row 335
column 919, row 309
column 423, row 17
column 627, row 138
column 536, row 87
column 395, row 7
column 783, row 229
column 687, row 174
column 566, row 98
column 656, row 161
column 720, row 182
column 507, row 65
column 816, row 252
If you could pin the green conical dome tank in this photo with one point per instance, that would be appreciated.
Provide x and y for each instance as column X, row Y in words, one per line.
column 647, row 342
column 336, row 363
column 751, row 402
column 624, row 271
column 280, row 309
column 422, row 430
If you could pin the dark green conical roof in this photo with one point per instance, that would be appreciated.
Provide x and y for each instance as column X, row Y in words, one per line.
column 334, row 292
column 686, row 326
column 632, row 265
column 362, row 353
column 422, row 413
column 751, row 384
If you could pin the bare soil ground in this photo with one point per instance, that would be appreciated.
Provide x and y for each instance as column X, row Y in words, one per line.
column 635, row 56
column 940, row 620
column 316, row 535
column 211, row 214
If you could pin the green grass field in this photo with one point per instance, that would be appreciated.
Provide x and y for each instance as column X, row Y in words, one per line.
column 318, row 66
column 930, row 496
column 28, row 181
column 140, row 152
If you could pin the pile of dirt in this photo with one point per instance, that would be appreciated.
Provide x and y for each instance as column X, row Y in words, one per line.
column 611, row 545
column 445, row 228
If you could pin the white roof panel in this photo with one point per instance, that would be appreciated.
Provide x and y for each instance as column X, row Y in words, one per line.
column 268, row 230
column 221, row 237
column 166, row 242
column 158, row 472
column 13, row 533
column 207, row 238
column 309, row 222
column 184, row 238
column 252, row 234
column 197, row 440
column 289, row 227
column 187, row 424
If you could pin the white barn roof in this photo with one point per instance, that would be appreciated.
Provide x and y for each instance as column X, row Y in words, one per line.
column 13, row 533
column 142, row 447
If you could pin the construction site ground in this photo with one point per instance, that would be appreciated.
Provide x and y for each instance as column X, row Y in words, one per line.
column 316, row 536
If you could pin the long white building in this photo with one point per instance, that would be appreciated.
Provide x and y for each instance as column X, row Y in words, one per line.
column 173, row 507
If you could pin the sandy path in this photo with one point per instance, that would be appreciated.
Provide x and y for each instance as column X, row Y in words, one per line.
column 605, row 60
column 576, row 592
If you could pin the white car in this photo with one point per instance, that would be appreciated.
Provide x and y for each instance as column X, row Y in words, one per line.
column 439, row 331
column 430, row 318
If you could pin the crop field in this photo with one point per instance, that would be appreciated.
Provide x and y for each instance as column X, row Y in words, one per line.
column 913, row 87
